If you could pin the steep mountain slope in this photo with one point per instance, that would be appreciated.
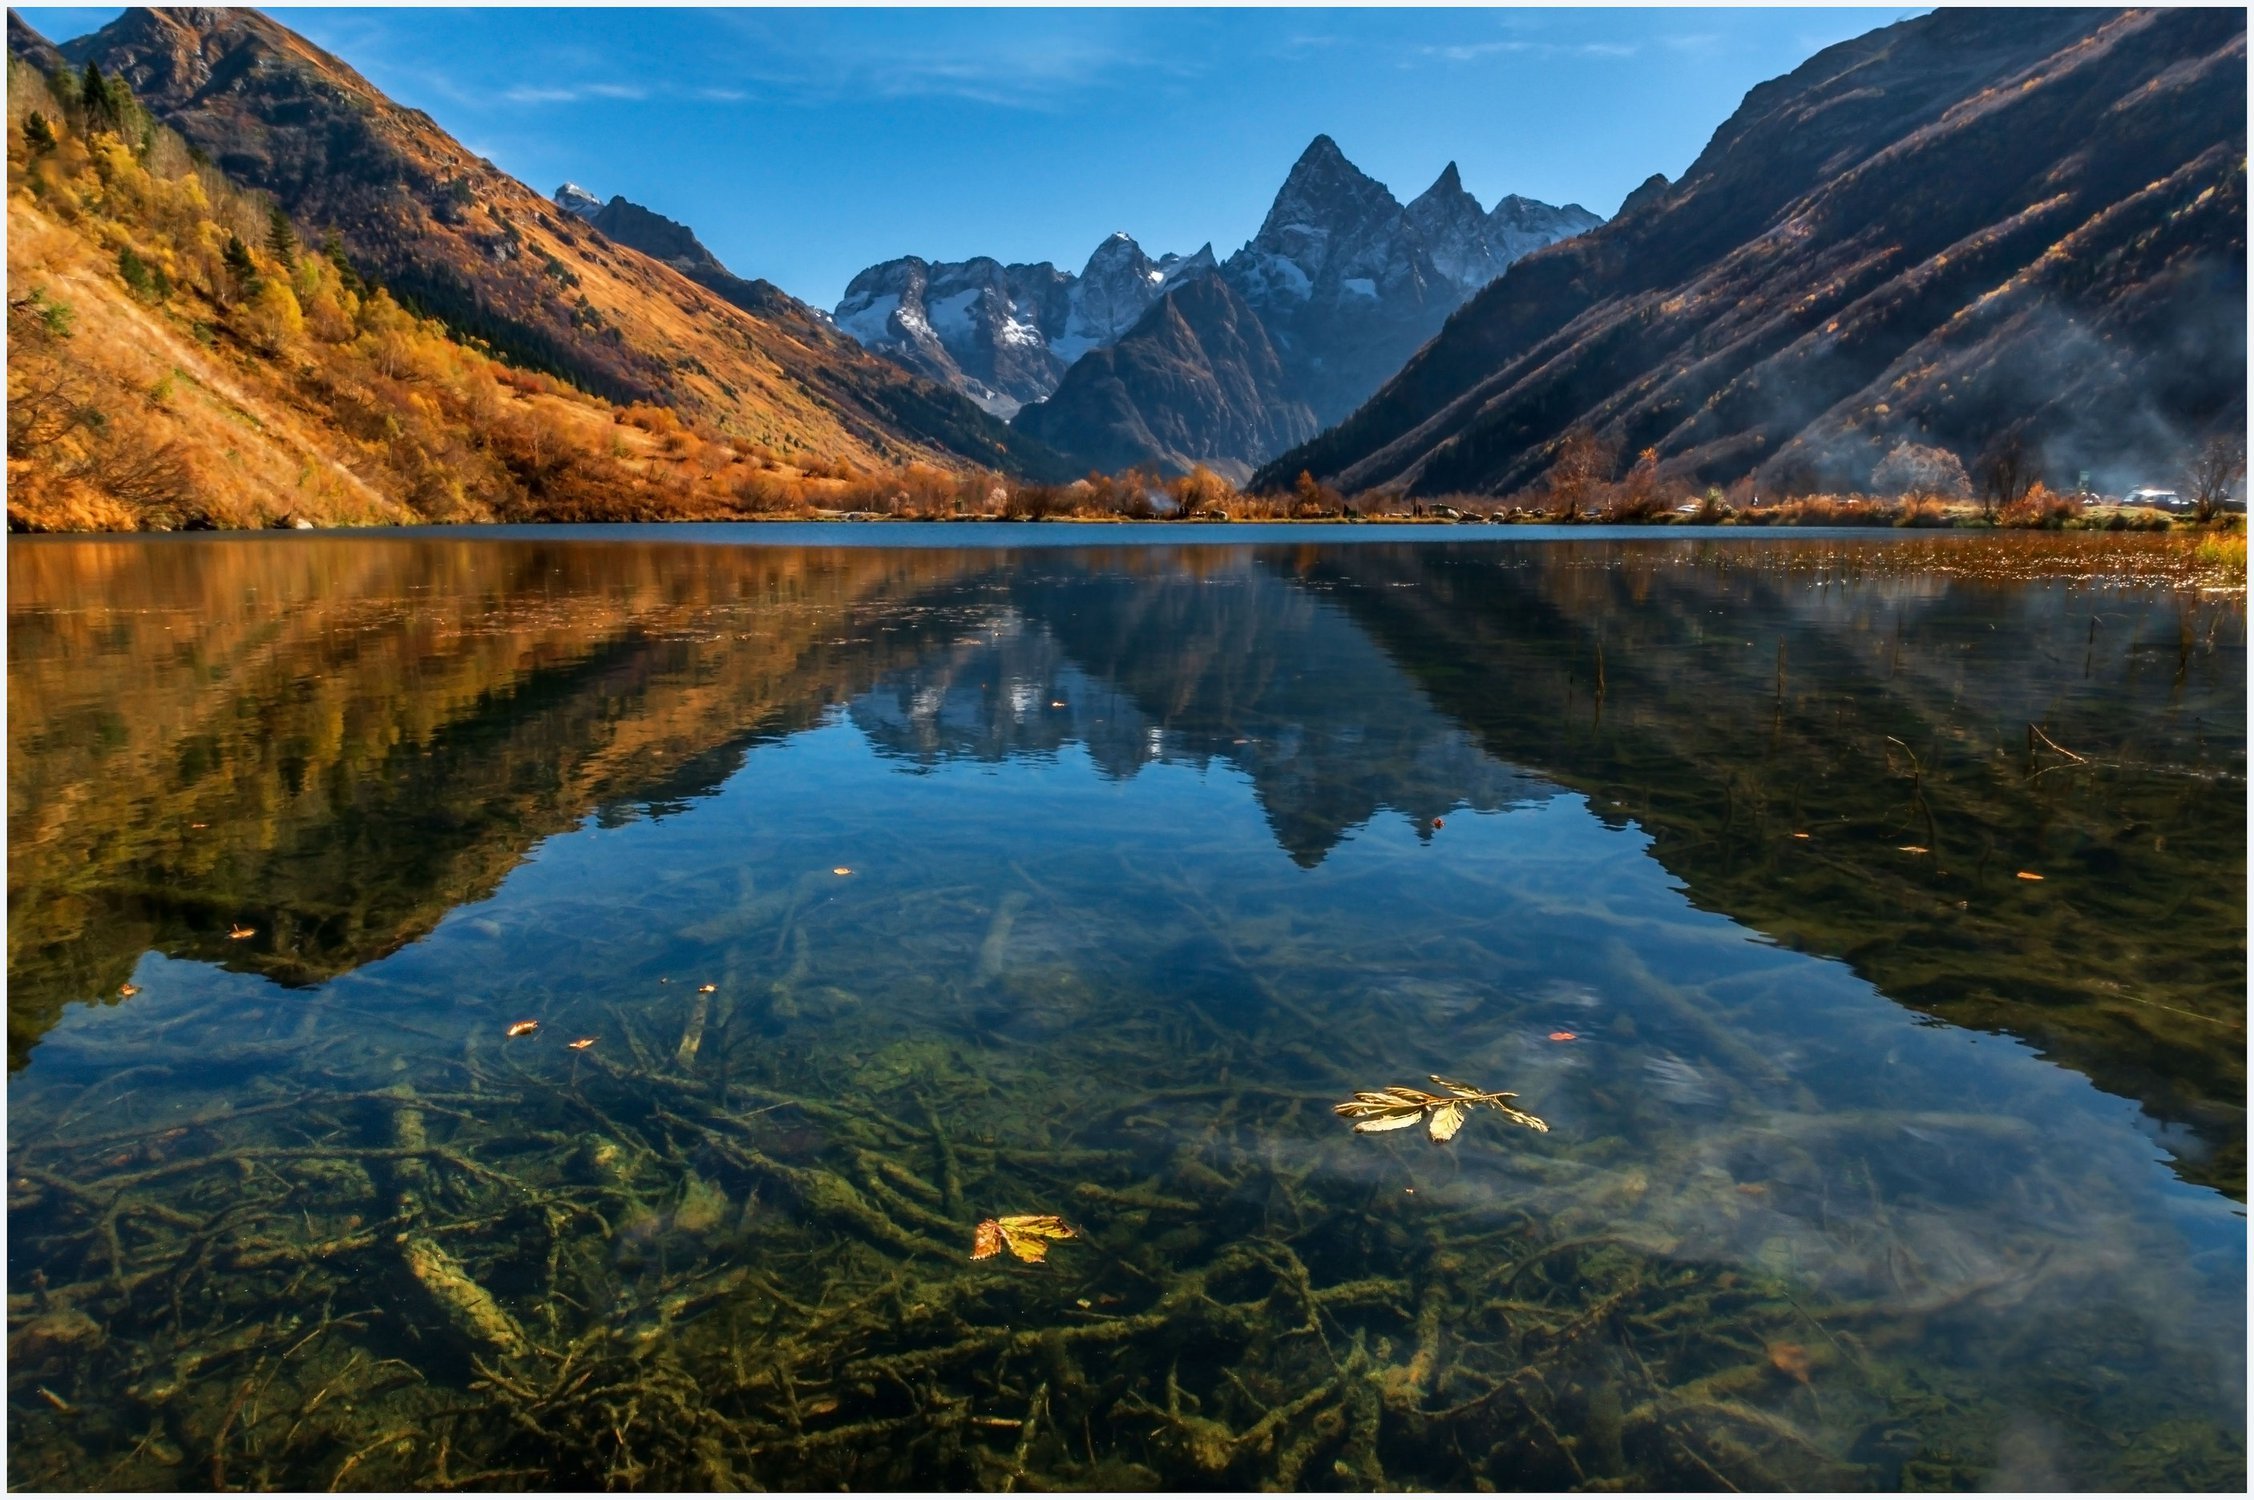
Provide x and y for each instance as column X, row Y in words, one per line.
column 1972, row 228
column 473, row 246
column 29, row 45
column 1195, row 381
column 1003, row 335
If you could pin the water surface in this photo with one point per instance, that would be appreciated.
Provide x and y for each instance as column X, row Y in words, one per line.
column 1083, row 880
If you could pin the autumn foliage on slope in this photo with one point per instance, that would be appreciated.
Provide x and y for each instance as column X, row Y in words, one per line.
column 456, row 237
column 179, row 357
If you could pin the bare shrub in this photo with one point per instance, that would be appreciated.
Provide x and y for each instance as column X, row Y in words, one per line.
column 1912, row 469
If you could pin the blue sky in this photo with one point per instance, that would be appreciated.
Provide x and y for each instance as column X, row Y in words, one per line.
column 803, row 145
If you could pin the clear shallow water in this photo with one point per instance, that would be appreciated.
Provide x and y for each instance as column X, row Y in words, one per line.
column 1866, row 1167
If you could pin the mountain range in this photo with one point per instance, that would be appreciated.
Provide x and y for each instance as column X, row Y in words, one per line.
column 1342, row 283
column 1998, row 232
column 1995, row 231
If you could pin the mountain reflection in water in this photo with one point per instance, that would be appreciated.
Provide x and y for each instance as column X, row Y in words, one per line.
column 1153, row 850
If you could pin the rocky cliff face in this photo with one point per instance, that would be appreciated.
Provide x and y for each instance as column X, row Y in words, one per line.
column 1973, row 228
column 1349, row 282
column 1004, row 334
column 1195, row 381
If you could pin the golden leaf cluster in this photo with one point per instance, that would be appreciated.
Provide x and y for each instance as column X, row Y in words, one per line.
column 1442, row 1115
column 1027, row 1236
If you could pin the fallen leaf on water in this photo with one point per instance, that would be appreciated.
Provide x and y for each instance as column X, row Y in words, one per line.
column 1439, row 822
column 1753, row 1189
column 239, row 932
column 842, row 870
column 1800, row 835
column 199, row 825
column 1791, row 1359
column 706, row 989
column 128, row 991
column 1564, row 1036
column 523, row 1028
column 1915, row 849
column 582, row 1044
column 1398, row 1108
column 2029, row 875
column 1026, row 1235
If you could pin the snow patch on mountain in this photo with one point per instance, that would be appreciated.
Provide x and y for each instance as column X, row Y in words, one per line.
column 574, row 199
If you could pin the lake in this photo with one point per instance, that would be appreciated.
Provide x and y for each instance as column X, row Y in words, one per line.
column 1863, row 917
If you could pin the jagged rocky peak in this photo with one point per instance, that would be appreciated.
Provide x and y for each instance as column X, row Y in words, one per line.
column 1453, row 229
column 1520, row 226
column 1647, row 193
column 981, row 326
column 1327, row 211
column 1325, row 191
column 574, row 199
column 658, row 237
column 1117, row 285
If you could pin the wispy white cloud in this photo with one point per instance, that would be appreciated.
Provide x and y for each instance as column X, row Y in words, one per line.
column 1462, row 52
column 527, row 94
column 1022, row 62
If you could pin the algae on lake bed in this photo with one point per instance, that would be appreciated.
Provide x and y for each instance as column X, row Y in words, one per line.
column 1128, row 915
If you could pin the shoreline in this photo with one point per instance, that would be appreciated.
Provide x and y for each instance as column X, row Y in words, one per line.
column 2124, row 521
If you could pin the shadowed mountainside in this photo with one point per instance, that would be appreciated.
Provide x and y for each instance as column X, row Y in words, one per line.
column 1968, row 229
column 1195, row 381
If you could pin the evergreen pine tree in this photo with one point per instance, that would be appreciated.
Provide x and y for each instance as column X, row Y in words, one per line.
column 332, row 251
column 240, row 267
column 37, row 133
column 281, row 239
column 95, row 96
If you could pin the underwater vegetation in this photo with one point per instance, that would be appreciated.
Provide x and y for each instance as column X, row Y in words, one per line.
column 715, row 1020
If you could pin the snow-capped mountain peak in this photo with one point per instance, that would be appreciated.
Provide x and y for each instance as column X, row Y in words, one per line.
column 1344, row 281
column 574, row 199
